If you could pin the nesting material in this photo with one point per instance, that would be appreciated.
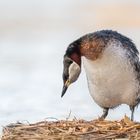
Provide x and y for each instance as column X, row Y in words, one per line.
column 73, row 130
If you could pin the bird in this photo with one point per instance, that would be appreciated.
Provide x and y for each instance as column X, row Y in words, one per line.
column 111, row 63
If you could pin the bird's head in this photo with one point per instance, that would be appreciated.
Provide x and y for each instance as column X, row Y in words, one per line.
column 71, row 66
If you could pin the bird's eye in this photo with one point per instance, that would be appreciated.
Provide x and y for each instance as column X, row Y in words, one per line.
column 69, row 62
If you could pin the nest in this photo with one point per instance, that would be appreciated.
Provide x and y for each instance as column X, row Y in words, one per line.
column 73, row 130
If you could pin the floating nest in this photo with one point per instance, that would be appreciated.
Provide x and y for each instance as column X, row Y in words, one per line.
column 73, row 130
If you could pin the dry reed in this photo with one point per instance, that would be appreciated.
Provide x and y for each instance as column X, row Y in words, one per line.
column 73, row 130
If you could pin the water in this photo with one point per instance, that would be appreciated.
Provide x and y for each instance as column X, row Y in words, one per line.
column 31, row 55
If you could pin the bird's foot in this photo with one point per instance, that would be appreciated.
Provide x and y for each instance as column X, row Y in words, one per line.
column 101, row 118
column 105, row 113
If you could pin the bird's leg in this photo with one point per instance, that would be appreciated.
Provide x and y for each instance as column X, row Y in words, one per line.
column 105, row 113
column 132, row 108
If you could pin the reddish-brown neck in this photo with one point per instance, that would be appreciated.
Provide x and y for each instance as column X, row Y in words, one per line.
column 76, row 58
column 92, row 49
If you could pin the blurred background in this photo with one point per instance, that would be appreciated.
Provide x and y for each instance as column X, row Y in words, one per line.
column 34, row 35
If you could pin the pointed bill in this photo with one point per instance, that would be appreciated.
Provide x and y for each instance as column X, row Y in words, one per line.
column 65, row 87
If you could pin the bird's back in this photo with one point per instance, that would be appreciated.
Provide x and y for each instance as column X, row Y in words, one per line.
column 112, row 67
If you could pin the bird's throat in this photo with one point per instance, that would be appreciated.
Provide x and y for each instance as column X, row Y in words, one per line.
column 77, row 58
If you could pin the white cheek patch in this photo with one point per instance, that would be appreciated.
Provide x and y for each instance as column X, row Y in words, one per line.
column 74, row 72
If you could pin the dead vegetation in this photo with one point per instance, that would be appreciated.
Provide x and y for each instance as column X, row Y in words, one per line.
column 73, row 130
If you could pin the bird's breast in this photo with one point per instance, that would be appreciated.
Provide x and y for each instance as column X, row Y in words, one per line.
column 111, row 78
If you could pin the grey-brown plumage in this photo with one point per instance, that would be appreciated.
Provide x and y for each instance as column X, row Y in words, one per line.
column 112, row 67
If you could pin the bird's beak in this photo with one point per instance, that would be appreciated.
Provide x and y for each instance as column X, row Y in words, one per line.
column 65, row 87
